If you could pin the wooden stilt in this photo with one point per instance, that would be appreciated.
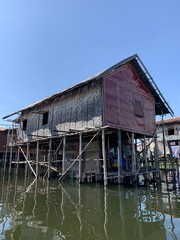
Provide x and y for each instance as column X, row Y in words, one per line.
column 64, row 154
column 80, row 156
column 10, row 160
column 119, row 152
column 164, row 141
column 104, row 158
column 145, row 154
column 49, row 158
column 5, row 160
column 133, row 154
column 27, row 155
column 17, row 165
column 37, row 159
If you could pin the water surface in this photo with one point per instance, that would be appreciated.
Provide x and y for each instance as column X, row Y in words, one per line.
column 44, row 209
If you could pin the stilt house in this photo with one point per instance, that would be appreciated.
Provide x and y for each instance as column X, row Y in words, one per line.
column 90, row 130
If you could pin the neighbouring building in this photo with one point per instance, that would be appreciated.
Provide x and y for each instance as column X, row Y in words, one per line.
column 170, row 128
column 6, row 138
column 3, row 142
column 91, row 130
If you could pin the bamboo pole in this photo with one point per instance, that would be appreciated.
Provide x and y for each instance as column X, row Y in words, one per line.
column 5, row 158
column 26, row 165
column 119, row 152
column 164, row 141
column 64, row 155
column 27, row 161
column 37, row 159
column 133, row 154
column 104, row 157
column 17, row 166
column 145, row 157
column 49, row 158
column 10, row 161
column 80, row 157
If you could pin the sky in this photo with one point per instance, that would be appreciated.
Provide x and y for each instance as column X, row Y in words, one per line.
column 48, row 46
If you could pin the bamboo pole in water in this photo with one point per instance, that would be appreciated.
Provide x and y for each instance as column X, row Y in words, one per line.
column 17, row 165
column 133, row 154
column 26, row 164
column 104, row 157
column 80, row 156
column 37, row 159
column 49, row 158
column 10, row 161
column 64, row 155
column 119, row 152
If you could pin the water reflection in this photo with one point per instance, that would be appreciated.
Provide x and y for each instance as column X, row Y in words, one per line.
column 31, row 209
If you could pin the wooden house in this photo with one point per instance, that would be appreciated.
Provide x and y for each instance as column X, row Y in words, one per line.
column 91, row 130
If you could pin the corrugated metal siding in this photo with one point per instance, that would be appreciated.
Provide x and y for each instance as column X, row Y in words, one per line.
column 121, row 88
column 76, row 110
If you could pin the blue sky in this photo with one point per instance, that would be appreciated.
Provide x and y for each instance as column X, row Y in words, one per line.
column 47, row 46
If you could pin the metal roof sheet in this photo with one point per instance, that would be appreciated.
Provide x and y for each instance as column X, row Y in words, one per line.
column 161, row 104
column 169, row 120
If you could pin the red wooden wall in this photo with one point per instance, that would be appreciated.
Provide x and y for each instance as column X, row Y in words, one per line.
column 128, row 103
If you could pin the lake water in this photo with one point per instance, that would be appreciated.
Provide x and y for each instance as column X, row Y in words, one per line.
column 44, row 209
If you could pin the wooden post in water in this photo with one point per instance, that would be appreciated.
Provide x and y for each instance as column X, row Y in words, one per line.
column 80, row 157
column 49, row 158
column 145, row 158
column 119, row 153
column 145, row 154
column 37, row 159
column 11, row 148
column 5, row 160
column 17, row 165
column 156, row 153
column 164, row 141
column 26, row 164
column 10, row 160
column 104, row 158
column 133, row 154
column 64, row 154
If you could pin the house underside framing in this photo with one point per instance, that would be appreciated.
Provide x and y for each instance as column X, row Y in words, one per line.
column 100, row 154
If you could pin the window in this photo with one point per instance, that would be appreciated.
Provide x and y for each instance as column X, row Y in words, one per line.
column 171, row 131
column 24, row 124
column 45, row 118
column 138, row 110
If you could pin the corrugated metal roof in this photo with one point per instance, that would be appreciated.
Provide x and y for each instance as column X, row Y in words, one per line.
column 169, row 120
column 161, row 104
